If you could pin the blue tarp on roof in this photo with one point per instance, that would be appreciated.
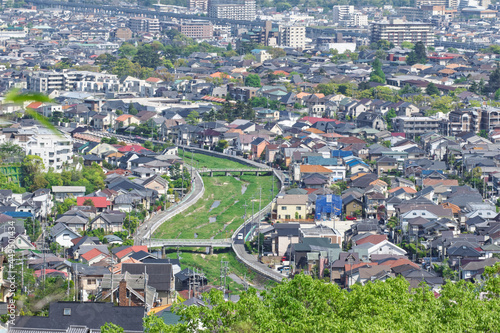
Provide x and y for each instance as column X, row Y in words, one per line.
column 19, row 215
column 326, row 204
column 428, row 172
column 341, row 153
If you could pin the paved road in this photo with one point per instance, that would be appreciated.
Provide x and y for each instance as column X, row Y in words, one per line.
column 251, row 261
column 147, row 228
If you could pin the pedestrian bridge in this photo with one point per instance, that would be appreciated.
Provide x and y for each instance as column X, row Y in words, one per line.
column 228, row 172
column 211, row 243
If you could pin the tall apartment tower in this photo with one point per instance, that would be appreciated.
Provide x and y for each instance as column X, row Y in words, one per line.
column 291, row 36
column 342, row 13
column 143, row 24
column 398, row 31
column 198, row 4
column 241, row 10
column 452, row 4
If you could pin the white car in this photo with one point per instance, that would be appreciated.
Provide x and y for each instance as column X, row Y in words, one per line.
column 240, row 236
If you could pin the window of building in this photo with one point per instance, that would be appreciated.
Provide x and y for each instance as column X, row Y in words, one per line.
column 283, row 207
column 67, row 312
column 299, row 208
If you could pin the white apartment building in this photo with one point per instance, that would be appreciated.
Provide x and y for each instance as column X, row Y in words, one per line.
column 143, row 24
column 54, row 149
column 342, row 13
column 292, row 36
column 242, row 10
column 398, row 31
column 345, row 16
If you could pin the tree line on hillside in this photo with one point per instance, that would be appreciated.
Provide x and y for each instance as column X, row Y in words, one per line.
column 304, row 304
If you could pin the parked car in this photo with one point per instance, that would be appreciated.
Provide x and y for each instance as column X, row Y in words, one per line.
column 240, row 236
column 351, row 218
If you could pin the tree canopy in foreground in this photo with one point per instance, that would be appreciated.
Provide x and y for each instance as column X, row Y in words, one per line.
column 307, row 305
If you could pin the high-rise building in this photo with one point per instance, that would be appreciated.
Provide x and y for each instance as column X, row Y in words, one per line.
column 54, row 149
column 345, row 16
column 398, row 31
column 197, row 29
column 198, row 4
column 292, row 36
column 241, row 10
column 143, row 24
column 424, row 12
column 452, row 4
column 342, row 13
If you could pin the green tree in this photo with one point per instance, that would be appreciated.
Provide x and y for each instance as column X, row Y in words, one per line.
column 147, row 56
column 326, row 88
column 420, row 52
column 277, row 52
column 283, row 7
column 377, row 75
column 384, row 45
column 432, row 90
column 127, row 50
column 31, row 168
column 221, row 145
column 252, row 80
column 111, row 328
column 193, row 118
column 132, row 110
column 229, row 47
column 64, row 206
column 411, row 58
column 391, row 114
column 483, row 133
column 148, row 145
column 407, row 45
column 494, row 81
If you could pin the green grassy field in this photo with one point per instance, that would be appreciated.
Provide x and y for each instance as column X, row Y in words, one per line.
column 209, row 162
column 229, row 214
column 210, row 265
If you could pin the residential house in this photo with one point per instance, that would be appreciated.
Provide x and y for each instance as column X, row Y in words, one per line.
column 386, row 164
column 61, row 234
column 292, row 206
column 160, row 277
column 82, row 316
column 63, row 192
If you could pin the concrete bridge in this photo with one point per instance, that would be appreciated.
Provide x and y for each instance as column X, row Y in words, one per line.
column 228, row 172
column 211, row 243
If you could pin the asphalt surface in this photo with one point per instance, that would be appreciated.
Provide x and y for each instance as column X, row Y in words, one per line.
column 149, row 227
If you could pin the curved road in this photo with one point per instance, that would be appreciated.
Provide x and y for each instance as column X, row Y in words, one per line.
column 144, row 231
column 149, row 227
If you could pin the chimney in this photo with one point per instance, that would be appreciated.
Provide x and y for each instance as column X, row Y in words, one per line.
column 122, row 293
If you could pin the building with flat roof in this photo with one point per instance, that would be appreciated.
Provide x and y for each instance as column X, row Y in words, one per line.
column 197, row 29
column 292, row 36
column 398, row 31
column 144, row 24
column 241, row 10
column 416, row 126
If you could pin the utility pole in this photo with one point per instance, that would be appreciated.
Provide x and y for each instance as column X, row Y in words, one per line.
column 145, row 292
column 245, row 205
column 260, row 217
column 224, row 269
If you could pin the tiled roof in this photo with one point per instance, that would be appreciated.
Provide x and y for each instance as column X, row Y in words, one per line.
column 314, row 168
column 91, row 254
column 99, row 202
